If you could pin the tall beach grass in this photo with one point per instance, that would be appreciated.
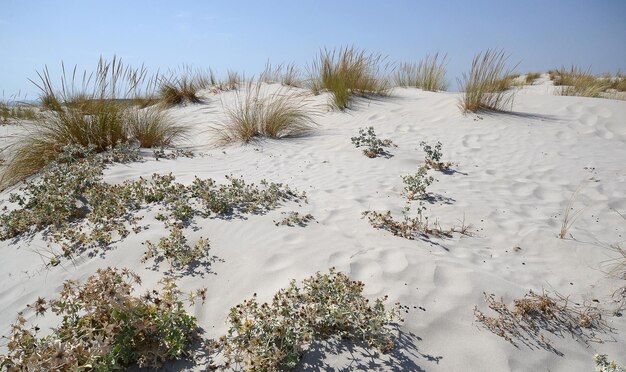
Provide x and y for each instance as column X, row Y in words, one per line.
column 91, row 110
column 259, row 112
column 348, row 72
column 427, row 74
column 578, row 82
column 487, row 86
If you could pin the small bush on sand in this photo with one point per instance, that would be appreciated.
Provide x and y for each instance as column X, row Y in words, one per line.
column 257, row 112
column 486, row 87
column 175, row 90
column 346, row 73
column 415, row 184
column 603, row 364
column 104, row 327
column 433, row 157
column 176, row 251
column 373, row 145
column 271, row 337
column 535, row 313
column 428, row 74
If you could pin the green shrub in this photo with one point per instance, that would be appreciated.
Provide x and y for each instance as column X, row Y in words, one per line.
column 346, row 73
column 603, row 364
column 486, row 87
column 415, row 184
column 428, row 74
column 373, row 145
column 104, row 327
column 269, row 337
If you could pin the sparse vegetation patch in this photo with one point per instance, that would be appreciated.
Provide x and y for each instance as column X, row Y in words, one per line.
column 272, row 336
column 104, row 327
column 373, row 145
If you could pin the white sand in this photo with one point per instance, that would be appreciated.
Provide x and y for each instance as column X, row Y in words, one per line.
column 515, row 175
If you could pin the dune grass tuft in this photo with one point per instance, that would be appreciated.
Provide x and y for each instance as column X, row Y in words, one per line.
column 487, row 85
column 289, row 74
column 257, row 112
column 428, row 74
column 531, row 77
column 346, row 73
column 578, row 82
column 93, row 113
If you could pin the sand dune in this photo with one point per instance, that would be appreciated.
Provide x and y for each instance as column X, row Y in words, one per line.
column 512, row 177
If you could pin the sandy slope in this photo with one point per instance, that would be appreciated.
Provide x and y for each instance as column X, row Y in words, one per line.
column 515, row 174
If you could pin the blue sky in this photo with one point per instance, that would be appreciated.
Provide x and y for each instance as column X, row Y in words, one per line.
column 243, row 35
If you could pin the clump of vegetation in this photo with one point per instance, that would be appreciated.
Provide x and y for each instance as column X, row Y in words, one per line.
column 104, row 327
column 569, row 214
column 258, row 113
column 289, row 74
column 93, row 115
column 433, row 157
column 183, row 86
column 577, row 82
column 486, row 87
column 10, row 113
column 295, row 219
column 535, row 313
column 531, row 77
column 346, row 73
column 373, row 145
column 411, row 227
column 80, row 211
column 270, row 337
column 428, row 74
column 176, row 251
column 415, row 184
column 603, row 364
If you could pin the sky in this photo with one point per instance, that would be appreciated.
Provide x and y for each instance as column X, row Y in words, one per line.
column 242, row 36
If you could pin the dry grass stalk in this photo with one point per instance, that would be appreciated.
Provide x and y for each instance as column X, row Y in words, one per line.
column 569, row 214
column 487, row 85
column 289, row 74
column 535, row 313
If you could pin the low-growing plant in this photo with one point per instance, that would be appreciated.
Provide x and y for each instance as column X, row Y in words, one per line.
column 428, row 74
column 295, row 219
column 80, row 211
column 373, row 145
column 271, row 337
column 486, row 87
column 104, row 327
column 176, row 251
column 433, row 156
column 257, row 112
column 603, row 364
column 346, row 73
column 535, row 313
column 415, row 184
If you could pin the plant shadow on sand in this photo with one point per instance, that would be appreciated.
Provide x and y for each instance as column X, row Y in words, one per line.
column 352, row 357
